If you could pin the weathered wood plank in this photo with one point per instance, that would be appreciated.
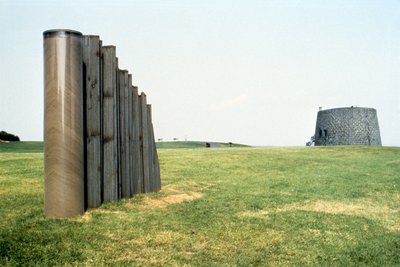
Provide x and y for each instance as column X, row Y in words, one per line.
column 126, row 183
column 145, row 143
column 118, row 120
column 155, row 168
column 93, row 93
column 124, row 128
column 110, row 124
column 151, row 152
column 137, row 155
column 156, row 163
column 121, row 132
column 131, row 132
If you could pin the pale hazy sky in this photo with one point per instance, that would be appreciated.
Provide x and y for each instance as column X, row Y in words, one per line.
column 252, row 72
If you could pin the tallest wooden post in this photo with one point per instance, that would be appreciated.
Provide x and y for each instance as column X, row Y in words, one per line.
column 63, row 123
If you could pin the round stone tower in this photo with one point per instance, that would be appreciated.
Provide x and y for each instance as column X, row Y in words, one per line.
column 347, row 126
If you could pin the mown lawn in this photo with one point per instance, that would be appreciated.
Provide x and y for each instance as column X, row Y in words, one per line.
column 315, row 206
column 21, row 147
column 195, row 144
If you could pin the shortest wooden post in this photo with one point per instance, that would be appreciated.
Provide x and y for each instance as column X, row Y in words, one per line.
column 150, row 149
column 145, row 144
column 137, row 146
column 155, row 166
column 157, row 173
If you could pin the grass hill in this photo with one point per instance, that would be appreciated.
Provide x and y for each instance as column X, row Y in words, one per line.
column 195, row 144
column 22, row 147
column 308, row 206
column 36, row 147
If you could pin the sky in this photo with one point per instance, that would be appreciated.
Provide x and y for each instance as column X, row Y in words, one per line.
column 243, row 71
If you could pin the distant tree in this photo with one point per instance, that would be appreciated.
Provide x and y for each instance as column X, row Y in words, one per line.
column 8, row 136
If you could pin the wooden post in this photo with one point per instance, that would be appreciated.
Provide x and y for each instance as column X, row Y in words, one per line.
column 127, row 185
column 121, row 134
column 99, row 136
column 93, row 93
column 149, row 137
column 63, row 124
column 154, row 168
column 145, row 144
column 131, row 139
column 137, row 155
column 110, row 124
column 124, row 128
column 157, row 169
column 118, row 119
column 156, row 164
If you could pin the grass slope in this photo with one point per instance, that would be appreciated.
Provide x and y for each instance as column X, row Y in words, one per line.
column 37, row 146
column 194, row 144
column 320, row 206
column 22, row 147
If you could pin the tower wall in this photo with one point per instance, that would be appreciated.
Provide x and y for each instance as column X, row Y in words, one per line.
column 347, row 126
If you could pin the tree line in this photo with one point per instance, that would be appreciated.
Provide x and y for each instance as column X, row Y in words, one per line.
column 8, row 136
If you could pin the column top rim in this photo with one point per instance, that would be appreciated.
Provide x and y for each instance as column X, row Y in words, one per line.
column 64, row 32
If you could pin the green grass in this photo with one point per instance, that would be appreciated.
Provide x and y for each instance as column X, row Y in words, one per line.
column 22, row 147
column 195, row 144
column 318, row 206
column 37, row 146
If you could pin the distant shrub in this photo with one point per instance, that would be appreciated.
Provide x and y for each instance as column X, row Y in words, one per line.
column 8, row 136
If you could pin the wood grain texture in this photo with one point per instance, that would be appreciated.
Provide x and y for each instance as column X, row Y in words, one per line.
column 63, row 125
column 154, row 168
column 110, row 131
column 93, row 93
column 118, row 132
column 145, row 144
column 137, row 155
column 150, row 150
column 124, row 134
column 131, row 139
column 157, row 169
column 127, row 182
column 157, row 175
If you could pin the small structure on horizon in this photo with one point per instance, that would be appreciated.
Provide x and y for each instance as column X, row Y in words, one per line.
column 347, row 126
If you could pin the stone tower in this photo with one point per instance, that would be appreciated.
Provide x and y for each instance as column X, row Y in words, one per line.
column 347, row 126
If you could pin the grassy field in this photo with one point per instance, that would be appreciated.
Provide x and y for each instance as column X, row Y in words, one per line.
column 37, row 146
column 194, row 144
column 316, row 206
column 21, row 147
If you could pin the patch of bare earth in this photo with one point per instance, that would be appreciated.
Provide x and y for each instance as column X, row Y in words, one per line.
column 169, row 195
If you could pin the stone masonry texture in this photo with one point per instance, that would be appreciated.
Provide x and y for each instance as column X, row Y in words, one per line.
column 347, row 126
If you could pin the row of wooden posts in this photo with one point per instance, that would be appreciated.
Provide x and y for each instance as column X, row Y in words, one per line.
column 99, row 137
column 120, row 145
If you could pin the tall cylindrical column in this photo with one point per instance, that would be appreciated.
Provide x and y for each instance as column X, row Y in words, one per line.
column 63, row 123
